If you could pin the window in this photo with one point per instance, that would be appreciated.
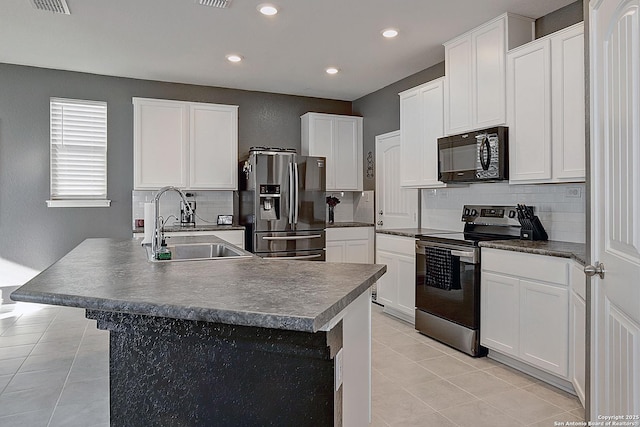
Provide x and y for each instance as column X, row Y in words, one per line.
column 78, row 153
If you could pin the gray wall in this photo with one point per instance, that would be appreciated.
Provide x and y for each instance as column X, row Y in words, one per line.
column 381, row 109
column 35, row 236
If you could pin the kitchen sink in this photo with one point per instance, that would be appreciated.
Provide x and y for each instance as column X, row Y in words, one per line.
column 200, row 252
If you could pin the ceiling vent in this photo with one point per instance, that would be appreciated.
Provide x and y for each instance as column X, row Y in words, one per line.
column 223, row 4
column 55, row 6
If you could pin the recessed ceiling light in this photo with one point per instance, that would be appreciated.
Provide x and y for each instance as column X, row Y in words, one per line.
column 234, row 58
column 389, row 33
column 332, row 70
column 267, row 9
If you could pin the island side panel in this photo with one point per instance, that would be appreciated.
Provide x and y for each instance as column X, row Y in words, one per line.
column 175, row 372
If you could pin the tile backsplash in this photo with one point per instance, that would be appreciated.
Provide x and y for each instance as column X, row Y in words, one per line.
column 560, row 207
column 353, row 206
column 209, row 204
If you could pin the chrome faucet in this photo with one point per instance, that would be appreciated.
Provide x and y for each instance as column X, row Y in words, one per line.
column 158, row 234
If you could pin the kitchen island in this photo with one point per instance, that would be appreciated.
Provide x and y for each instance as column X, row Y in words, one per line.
column 222, row 342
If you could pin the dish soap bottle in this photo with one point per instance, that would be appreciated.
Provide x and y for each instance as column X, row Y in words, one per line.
column 164, row 254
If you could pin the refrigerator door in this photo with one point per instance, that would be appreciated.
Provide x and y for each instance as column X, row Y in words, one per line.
column 272, row 180
column 310, row 205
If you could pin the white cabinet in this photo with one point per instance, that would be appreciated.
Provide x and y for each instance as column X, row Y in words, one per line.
column 577, row 347
column 339, row 139
column 186, row 144
column 525, row 308
column 421, row 124
column 350, row 245
column 396, row 289
column 546, row 110
column 475, row 73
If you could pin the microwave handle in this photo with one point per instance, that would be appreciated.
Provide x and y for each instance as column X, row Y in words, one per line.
column 485, row 159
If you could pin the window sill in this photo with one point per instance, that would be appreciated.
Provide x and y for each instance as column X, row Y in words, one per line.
column 78, row 203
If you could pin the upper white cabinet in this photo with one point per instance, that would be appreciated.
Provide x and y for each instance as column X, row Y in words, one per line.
column 186, row 144
column 421, row 124
column 475, row 73
column 339, row 139
column 546, row 110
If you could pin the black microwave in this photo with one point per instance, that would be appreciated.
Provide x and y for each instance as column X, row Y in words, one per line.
column 475, row 156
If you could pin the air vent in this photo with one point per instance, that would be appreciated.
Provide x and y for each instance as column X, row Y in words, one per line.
column 55, row 6
column 223, row 4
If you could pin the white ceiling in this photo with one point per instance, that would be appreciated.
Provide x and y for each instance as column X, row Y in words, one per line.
column 181, row 41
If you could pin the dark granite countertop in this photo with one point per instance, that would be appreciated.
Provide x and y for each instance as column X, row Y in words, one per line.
column 576, row 251
column 350, row 224
column 412, row 232
column 198, row 227
column 115, row 275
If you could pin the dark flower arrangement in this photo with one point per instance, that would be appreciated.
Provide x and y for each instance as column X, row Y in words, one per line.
column 332, row 201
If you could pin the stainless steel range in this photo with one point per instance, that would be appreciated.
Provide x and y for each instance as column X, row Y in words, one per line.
column 448, row 276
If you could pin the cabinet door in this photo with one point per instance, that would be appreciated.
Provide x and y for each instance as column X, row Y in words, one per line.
column 319, row 142
column 432, row 100
column 544, row 334
column 411, row 138
column 347, row 154
column 499, row 303
column 213, row 149
column 387, row 286
column 529, row 112
column 488, row 74
column 458, row 85
column 578, row 347
column 160, row 141
column 567, row 59
column 357, row 251
column 406, row 277
column 335, row 251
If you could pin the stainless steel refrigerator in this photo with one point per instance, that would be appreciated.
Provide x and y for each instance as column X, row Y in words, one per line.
column 282, row 204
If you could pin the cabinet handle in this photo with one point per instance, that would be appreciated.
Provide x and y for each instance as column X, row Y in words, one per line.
column 380, row 213
column 379, row 222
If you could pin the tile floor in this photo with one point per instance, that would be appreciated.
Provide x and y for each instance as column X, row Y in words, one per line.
column 54, row 372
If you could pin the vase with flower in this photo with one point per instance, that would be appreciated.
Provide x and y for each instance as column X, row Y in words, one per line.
column 332, row 202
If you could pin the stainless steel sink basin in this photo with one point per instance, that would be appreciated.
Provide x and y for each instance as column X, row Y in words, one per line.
column 200, row 252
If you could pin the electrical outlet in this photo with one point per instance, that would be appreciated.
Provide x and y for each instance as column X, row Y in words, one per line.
column 573, row 192
column 338, row 369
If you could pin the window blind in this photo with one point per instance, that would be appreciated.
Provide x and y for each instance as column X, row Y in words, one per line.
column 78, row 149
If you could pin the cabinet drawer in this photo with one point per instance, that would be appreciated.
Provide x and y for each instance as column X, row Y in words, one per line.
column 538, row 267
column 348, row 233
column 397, row 244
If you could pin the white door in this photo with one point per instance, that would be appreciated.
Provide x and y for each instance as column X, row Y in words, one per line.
column 615, row 206
column 396, row 207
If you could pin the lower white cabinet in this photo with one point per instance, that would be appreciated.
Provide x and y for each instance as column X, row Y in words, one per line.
column 350, row 245
column 525, row 308
column 235, row 237
column 396, row 289
column 578, row 323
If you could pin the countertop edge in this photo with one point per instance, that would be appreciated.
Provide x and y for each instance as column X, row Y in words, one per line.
column 574, row 252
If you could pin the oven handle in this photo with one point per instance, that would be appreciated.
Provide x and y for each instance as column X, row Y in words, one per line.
column 462, row 254
column 471, row 257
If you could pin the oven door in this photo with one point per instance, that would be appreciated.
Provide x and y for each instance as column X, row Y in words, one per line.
column 448, row 282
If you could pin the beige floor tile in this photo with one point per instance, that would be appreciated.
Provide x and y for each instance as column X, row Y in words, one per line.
column 376, row 421
column 446, row 366
column 407, row 374
column 523, row 406
column 476, row 362
column 434, row 343
column 580, row 413
column 512, row 376
column 554, row 421
column 417, row 351
column 386, row 357
column 399, row 407
column 440, row 394
column 554, row 395
column 396, row 339
column 481, row 384
column 382, row 385
column 479, row 414
column 428, row 420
